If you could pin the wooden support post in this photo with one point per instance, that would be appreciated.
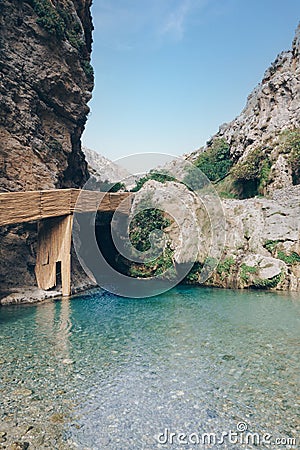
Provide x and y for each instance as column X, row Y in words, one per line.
column 54, row 245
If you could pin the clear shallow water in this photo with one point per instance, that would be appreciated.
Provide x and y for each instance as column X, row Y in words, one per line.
column 104, row 372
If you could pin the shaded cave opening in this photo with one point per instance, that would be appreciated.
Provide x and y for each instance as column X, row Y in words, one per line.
column 58, row 282
column 106, row 244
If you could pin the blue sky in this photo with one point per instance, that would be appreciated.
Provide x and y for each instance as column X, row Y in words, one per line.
column 169, row 72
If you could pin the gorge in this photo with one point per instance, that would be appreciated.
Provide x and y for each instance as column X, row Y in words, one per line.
column 43, row 117
column 194, row 366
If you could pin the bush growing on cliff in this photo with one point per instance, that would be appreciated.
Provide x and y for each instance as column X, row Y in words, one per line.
column 192, row 180
column 201, row 270
column 58, row 21
column 88, row 69
column 290, row 259
column 193, row 275
column 105, row 185
column 156, row 267
column 251, row 175
column 143, row 224
column 224, row 267
column 271, row 245
column 290, row 144
column 161, row 177
column 249, row 168
column 48, row 17
column 268, row 283
column 246, row 271
column 215, row 162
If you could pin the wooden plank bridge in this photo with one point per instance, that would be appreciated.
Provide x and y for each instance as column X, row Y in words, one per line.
column 54, row 210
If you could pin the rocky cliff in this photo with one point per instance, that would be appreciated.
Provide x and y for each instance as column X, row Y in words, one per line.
column 46, row 82
column 106, row 173
column 259, row 140
column 274, row 105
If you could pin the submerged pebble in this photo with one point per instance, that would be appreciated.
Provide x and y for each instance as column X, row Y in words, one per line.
column 22, row 392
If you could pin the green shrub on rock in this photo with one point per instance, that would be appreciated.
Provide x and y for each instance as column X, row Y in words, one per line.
column 252, row 173
column 155, row 267
column 144, row 223
column 246, row 271
column 161, row 177
column 60, row 22
column 48, row 17
column 290, row 144
column 249, row 168
column 215, row 162
column 193, row 275
column 291, row 259
column 224, row 267
column 88, row 69
column 268, row 283
column 271, row 245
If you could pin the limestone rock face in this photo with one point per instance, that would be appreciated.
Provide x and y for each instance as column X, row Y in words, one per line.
column 261, row 245
column 263, row 239
column 104, row 171
column 273, row 106
column 46, row 82
column 280, row 174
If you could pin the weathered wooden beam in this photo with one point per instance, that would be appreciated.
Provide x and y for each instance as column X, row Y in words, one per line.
column 54, row 246
column 19, row 207
column 88, row 201
column 55, row 203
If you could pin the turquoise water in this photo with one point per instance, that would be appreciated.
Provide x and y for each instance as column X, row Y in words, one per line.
column 104, row 372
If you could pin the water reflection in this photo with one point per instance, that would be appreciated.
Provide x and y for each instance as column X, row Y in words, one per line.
column 53, row 323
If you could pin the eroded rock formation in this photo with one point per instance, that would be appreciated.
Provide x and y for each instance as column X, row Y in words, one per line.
column 251, row 243
column 46, row 82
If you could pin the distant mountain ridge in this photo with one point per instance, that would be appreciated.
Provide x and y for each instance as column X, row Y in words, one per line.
column 103, row 169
